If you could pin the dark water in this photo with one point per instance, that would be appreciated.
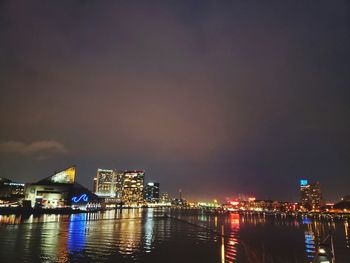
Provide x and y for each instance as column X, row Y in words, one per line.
column 145, row 235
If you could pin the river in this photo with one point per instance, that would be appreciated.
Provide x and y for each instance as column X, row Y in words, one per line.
column 147, row 235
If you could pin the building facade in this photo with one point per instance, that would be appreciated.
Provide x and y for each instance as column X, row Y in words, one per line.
column 164, row 198
column 11, row 191
column 152, row 192
column 59, row 191
column 133, row 186
column 104, row 182
column 108, row 183
column 310, row 195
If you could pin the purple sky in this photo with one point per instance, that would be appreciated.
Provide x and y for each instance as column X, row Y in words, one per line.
column 213, row 97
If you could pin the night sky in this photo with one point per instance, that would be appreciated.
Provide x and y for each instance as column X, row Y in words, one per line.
column 213, row 97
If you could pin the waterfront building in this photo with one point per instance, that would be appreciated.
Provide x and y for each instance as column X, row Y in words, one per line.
column 59, row 191
column 343, row 205
column 103, row 181
column 152, row 192
column 10, row 191
column 310, row 195
column 164, row 198
column 207, row 205
column 118, row 184
column 179, row 202
column 108, row 183
column 133, row 186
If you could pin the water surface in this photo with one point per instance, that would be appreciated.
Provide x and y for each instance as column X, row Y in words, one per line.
column 146, row 235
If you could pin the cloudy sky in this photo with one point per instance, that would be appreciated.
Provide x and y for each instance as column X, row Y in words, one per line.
column 213, row 97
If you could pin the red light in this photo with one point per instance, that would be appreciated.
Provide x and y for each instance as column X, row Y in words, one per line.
column 235, row 203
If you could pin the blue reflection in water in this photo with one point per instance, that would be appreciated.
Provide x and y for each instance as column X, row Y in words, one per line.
column 309, row 239
column 306, row 221
column 76, row 233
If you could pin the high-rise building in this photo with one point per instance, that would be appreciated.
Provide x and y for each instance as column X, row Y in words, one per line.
column 310, row 194
column 152, row 192
column 118, row 182
column 108, row 183
column 104, row 180
column 133, row 185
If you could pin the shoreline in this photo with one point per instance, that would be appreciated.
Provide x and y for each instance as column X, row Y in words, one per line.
column 68, row 210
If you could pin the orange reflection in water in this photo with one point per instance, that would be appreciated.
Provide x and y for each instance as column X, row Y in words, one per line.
column 129, row 232
column 229, row 240
column 10, row 219
column 346, row 227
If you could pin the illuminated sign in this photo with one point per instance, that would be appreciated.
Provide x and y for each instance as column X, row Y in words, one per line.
column 83, row 197
column 303, row 182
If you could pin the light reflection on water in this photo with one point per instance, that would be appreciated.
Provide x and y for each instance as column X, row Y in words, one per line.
column 231, row 241
column 77, row 232
column 346, row 231
column 185, row 236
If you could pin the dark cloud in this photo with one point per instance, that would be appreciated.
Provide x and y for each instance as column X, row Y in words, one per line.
column 212, row 97
column 38, row 147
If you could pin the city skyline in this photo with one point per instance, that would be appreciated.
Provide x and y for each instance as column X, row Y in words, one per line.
column 110, row 183
column 214, row 99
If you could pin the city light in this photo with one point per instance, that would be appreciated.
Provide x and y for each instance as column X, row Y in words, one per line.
column 234, row 203
column 321, row 251
column 175, row 131
column 303, row 182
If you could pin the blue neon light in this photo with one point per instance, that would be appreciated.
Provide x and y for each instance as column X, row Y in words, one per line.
column 304, row 182
column 306, row 221
column 83, row 197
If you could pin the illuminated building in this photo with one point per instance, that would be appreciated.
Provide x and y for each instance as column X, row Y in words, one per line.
column 208, row 205
column 164, row 198
column 104, row 182
column 108, row 185
column 310, row 194
column 118, row 183
column 133, row 184
column 179, row 202
column 10, row 191
column 152, row 192
column 59, row 191
column 116, row 187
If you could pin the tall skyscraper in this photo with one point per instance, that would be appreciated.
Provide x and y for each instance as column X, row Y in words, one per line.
column 104, row 180
column 152, row 192
column 133, row 185
column 108, row 183
column 118, row 182
column 311, row 196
